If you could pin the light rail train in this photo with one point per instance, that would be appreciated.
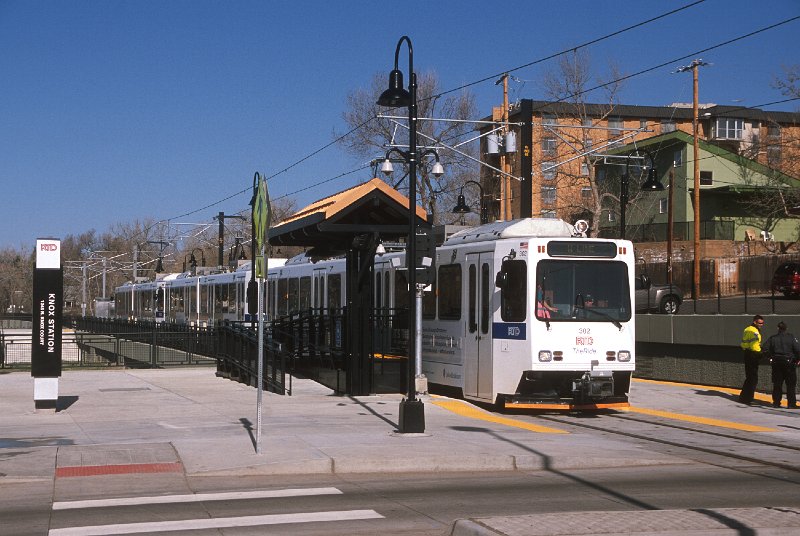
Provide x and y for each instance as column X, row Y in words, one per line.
column 526, row 313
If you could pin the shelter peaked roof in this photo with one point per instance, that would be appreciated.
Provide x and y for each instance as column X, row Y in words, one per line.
column 331, row 205
column 331, row 223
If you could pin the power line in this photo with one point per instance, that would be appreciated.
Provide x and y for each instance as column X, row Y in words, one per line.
column 582, row 92
column 575, row 48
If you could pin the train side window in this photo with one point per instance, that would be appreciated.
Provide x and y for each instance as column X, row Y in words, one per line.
column 304, row 295
column 294, row 292
column 283, row 297
column 378, row 293
column 334, row 291
column 473, row 299
column 386, row 289
column 514, row 292
column 485, row 297
column 449, row 292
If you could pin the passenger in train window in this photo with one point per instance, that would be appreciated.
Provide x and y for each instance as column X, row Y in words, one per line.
column 784, row 353
column 751, row 346
column 543, row 307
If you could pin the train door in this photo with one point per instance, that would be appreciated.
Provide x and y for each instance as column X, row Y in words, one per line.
column 478, row 343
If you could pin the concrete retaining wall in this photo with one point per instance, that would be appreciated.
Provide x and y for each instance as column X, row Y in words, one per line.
column 700, row 348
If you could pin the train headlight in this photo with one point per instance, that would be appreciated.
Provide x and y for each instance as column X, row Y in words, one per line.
column 545, row 356
column 624, row 355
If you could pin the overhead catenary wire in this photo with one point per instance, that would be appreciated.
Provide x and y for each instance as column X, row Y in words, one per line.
column 493, row 77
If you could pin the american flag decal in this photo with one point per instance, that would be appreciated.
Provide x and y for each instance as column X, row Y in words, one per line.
column 523, row 245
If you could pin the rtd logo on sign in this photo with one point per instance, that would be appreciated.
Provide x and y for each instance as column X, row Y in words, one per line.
column 48, row 255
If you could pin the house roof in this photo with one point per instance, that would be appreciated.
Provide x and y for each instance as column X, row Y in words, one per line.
column 331, row 223
column 663, row 141
column 685, row 113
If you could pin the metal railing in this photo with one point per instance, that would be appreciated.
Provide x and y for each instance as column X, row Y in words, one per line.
column 741, row 285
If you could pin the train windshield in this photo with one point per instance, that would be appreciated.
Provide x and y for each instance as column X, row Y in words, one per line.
column 581, row 290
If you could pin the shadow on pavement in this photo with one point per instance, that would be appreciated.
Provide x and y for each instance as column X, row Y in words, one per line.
column 548, row 467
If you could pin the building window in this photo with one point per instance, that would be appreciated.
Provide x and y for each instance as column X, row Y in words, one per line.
column 729, row 128
column 584, row 169
column 548, row 195
column 643, row 124
column 549, row 146
column 667, row 125
column 677, row 159
column 773, row 155
column 662, row 206
column 548, row 170
column 773, row 131
column 612, row 216
column 615, row 126
column 549, row 214
column 706, row 178
column 548, row 119
column 586, row 193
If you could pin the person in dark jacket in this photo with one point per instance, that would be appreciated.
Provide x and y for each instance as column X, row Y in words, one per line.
column 784, row 353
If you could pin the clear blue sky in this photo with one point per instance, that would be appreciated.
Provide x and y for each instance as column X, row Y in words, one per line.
column 113, row 111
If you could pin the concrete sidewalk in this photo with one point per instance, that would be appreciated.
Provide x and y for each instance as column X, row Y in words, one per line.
column 190, row 421
column 208, row 425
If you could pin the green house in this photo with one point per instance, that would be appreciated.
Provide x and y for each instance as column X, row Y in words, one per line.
column 740, row 199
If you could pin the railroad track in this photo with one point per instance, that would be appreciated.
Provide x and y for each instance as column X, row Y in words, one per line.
column 694, row 442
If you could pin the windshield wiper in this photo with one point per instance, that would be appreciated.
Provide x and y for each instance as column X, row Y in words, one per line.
column 579, row 304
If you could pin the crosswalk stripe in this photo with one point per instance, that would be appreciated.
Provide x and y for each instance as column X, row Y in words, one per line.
column 219, row 523
column 195, row 497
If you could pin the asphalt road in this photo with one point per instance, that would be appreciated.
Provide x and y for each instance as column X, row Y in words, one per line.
column 422, row 504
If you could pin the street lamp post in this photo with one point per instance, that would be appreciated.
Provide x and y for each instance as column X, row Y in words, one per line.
column 652, row 184
column 193, row 260
column 412, row 411
column 160, row 263
column 462, row 207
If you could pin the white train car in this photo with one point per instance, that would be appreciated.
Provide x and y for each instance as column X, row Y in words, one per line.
column 200, row 300
column 530, row 314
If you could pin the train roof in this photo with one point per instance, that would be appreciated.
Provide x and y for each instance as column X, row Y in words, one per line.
column 523, row 228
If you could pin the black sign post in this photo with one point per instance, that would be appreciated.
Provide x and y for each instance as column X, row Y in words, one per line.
column 48, row 297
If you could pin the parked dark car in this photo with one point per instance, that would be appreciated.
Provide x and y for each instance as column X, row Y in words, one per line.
column 651, row 297
column 787, row 279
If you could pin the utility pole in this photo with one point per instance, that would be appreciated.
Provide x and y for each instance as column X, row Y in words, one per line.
column 696, row 128
column 670, row 235
column 505, row 182
column 526, row 159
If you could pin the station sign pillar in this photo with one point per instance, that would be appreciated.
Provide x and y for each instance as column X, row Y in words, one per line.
column 48, row 299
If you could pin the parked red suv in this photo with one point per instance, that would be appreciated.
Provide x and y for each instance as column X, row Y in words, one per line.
column 787, row 279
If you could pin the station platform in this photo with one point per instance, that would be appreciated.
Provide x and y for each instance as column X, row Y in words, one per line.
column 188, row 420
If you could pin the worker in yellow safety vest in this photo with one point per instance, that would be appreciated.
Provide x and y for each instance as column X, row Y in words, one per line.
column 751, row 345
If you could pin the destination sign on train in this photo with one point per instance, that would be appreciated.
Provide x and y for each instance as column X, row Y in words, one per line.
column 582, row 249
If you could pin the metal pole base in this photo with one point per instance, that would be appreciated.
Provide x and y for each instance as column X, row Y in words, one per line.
column 421, row 384
column 412, row 417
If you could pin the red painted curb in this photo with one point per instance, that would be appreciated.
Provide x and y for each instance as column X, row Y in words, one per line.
column 123, row 469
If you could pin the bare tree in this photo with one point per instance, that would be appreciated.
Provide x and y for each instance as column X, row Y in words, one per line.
column 16, row 280
column 370, row 137
column 581, row 194
column 789, row 84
